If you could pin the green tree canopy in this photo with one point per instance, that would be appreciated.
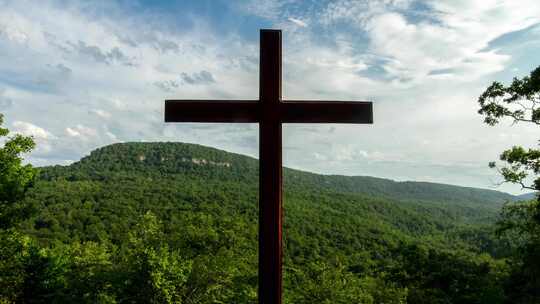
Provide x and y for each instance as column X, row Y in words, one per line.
column 519, row 101
column 520, row 222
column 15, row 177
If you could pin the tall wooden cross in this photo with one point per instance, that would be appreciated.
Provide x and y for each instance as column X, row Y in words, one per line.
column 270, row 112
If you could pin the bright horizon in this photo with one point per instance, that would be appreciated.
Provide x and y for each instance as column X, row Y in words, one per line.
column 84, row 75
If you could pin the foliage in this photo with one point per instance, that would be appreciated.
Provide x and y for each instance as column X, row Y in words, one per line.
column 23, row 270
column 15, row 178
column 520, row 222
column 28, row 274
column 519, row 101
column 320, row 282
column 154, row 274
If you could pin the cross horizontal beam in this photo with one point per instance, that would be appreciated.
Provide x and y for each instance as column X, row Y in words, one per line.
column 211, row 111
column 249, row 111
column 300, row 111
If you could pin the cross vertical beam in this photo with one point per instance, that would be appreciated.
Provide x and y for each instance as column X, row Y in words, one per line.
column 270, row 166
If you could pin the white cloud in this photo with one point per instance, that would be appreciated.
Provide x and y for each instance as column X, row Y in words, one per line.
column 13, row 33
column 430, row 47
column 452, row 37
column 101, row 113
column 333, row 62
column 82, row 132
column 5, row 101
column 72, row 132
column 269, row 9
column 42, row 137
column 359, row 11
column 111, row 136
column 28, row 129
column 298, row 22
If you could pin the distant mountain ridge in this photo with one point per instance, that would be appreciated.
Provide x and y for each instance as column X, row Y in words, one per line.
column 527, row 196
column 202, row 161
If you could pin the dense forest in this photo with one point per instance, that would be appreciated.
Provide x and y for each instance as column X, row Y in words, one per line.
column 177, row 223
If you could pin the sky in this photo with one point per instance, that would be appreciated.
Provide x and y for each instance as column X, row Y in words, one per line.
column 78, row 75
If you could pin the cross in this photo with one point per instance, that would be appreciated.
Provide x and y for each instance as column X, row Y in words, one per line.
column 270, row 111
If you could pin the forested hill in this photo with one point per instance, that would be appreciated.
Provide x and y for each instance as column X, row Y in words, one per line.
column 147, row 222
column 200, row 161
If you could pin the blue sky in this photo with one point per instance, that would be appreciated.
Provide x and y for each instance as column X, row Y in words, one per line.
column 78, row 75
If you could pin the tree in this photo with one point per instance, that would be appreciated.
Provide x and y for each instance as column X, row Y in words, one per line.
column 27, row 273
column 520, row 101
column 155, row 274
column 15, row 178
column 519, row 223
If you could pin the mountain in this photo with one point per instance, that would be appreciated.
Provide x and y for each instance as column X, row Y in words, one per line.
column 191, row 159
column 171, row 171
column 382, row 240
column 526, row 197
